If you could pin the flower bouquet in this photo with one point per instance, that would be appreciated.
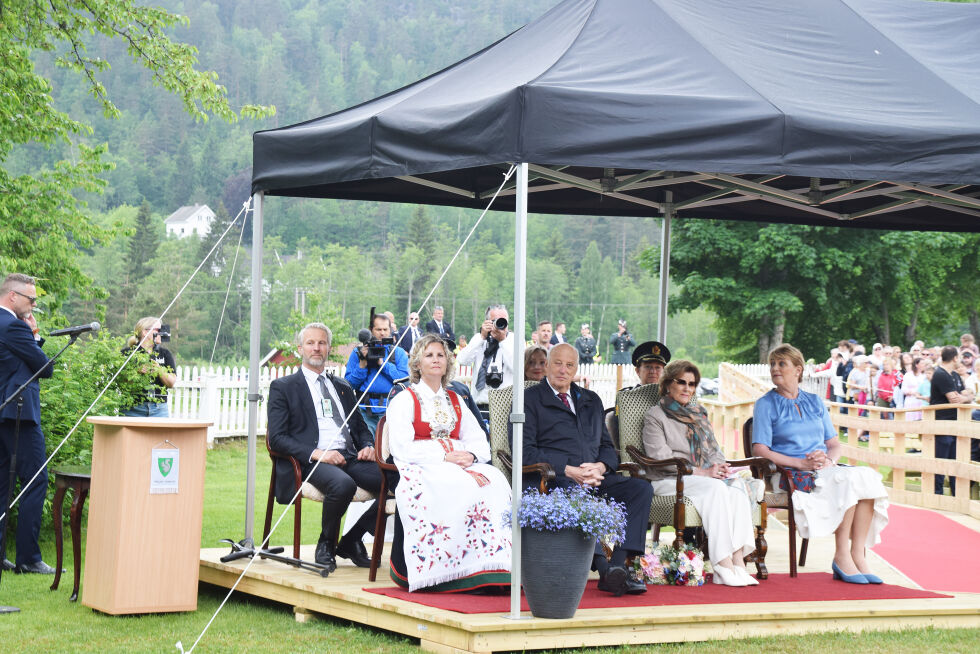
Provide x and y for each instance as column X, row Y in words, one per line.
column 668, row 566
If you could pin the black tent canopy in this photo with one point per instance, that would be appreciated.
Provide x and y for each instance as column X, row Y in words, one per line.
column 863, row 113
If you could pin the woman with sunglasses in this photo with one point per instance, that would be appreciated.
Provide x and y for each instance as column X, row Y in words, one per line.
column 146, row 335
column 678, row 428
column 792, row 428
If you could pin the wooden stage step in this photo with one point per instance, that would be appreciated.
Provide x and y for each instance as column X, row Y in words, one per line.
column 342, row 595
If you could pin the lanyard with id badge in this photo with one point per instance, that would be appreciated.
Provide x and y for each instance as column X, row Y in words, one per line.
column 326, row 407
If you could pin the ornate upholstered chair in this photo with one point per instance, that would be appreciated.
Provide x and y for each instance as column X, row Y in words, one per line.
column 778, row 499
column 500, row 400
column 676, row 510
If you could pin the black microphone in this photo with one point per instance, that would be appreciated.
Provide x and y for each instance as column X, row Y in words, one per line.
column 75, row 331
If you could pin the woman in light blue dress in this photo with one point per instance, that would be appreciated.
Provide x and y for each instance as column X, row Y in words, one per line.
column 792, row 428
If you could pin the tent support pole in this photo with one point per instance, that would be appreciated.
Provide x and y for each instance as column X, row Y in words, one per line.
column 254, row 397
column 517, row 415
column 664, row 266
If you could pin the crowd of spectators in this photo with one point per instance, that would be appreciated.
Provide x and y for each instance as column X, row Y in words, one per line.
column 891, row 378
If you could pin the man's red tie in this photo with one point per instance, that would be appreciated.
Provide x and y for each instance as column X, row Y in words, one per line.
column 564, row 400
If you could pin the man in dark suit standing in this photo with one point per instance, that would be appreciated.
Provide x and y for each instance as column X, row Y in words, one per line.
column 20, row 358
column 438, row 326
column 306, row 412
column 559, row 336
column 564, row 427
column 410, row 333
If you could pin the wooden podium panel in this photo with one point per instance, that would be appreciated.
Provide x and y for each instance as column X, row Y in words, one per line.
column 143, row 550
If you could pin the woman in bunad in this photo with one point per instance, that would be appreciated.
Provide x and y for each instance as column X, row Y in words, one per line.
column 792, row 428
column 452, row 533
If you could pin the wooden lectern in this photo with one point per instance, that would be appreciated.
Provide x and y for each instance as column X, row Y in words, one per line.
column 143, row 549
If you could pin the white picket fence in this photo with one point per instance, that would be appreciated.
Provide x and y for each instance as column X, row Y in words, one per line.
column 220, row 394
column 813, row 382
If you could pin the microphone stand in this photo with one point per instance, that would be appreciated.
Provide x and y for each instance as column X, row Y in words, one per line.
column 18, row 395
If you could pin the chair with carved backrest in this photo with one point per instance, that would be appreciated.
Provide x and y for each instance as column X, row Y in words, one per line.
column 500, row 400
column 676, row 509
column 308, row 491
column 778, row 499
column 381, row 454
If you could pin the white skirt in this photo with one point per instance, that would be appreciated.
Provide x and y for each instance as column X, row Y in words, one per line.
column 839, row 488
column 725, row 510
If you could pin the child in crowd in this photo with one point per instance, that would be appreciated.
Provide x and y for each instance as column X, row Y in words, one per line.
column 885, row 385
column 925, row 385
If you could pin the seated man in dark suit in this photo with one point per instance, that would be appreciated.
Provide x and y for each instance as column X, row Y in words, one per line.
column 439, row 326
column 564, row 427
column 306, row 411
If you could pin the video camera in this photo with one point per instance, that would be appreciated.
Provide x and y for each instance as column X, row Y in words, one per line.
column 376, row 349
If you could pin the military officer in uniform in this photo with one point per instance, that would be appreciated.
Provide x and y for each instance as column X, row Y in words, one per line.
column 586, row 346
column 622, row 342
column 649, row 359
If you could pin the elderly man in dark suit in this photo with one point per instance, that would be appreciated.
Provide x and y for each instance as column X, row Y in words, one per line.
column 20, row 358
column 564, row 427
column 306, row 420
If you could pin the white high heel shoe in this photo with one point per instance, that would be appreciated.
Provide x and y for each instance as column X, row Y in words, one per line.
column 744, row 575
column 727, row 576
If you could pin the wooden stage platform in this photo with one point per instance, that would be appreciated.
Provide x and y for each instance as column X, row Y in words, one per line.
column 342, row 595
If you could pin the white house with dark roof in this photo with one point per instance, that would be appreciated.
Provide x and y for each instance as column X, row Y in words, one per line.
column 193, row 219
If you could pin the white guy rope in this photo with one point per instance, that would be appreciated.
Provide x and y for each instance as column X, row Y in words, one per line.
column 347, row 418
column 91, row 406
column 231, row 279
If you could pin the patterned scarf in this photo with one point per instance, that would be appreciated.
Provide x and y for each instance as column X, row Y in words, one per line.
column 699, row 432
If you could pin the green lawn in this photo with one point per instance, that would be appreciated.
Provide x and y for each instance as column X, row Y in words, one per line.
column 48, row 622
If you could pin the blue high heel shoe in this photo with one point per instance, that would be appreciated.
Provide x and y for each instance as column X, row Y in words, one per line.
column 851, row 579
column 872, row 579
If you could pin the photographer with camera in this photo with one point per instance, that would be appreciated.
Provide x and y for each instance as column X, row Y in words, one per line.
column 366, row 361
column 148, row 334
column 491, row 353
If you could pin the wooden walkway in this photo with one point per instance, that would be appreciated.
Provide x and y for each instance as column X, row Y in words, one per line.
column 342, row 595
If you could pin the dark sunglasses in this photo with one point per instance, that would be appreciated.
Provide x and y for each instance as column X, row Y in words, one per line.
column 684, row 382
column 32, row 298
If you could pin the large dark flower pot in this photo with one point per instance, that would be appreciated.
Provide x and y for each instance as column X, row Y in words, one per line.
column 554, row 568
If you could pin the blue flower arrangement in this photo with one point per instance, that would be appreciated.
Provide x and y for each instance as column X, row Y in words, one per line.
column 574, row 508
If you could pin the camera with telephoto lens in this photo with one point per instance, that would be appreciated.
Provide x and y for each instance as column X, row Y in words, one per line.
column 495, row 376
column 164, row 333
column 501, row 325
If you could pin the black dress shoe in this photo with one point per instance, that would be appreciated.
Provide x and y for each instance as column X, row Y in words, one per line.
column 8, row 565
column 40, row 568
column 324, row 555
column 614, row 581
column 633, row 585
column 355, row 551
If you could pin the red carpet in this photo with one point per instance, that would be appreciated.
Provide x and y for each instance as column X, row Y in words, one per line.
column 778, row 588
column 931, row 549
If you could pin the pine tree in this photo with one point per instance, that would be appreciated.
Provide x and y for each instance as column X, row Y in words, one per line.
column 143, row 246
column 421, row 232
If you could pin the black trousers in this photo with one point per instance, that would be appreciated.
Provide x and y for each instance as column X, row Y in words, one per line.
column 30, row 457
column 338, row 485
column 945, row 449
